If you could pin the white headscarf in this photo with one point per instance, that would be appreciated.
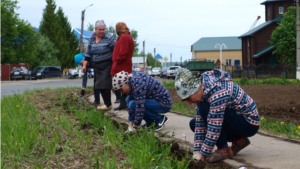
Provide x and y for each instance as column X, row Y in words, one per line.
column 120, row 79
column 99, row 23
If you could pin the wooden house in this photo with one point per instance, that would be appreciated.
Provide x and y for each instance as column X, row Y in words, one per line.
column 256, row 48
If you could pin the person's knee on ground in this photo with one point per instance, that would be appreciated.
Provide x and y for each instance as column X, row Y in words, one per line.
column 192, row 124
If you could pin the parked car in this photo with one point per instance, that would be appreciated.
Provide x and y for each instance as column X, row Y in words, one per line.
column 91, row 73
column 163, row 72
column 41, row 72
column 171, row 73
column 19, row 73
column 155, row 71
column 73, row 73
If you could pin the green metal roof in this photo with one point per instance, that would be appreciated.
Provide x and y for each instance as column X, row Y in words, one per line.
column 208, row 43
column 261, row 26
column 263, row 51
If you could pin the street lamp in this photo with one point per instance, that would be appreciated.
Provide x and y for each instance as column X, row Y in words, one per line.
column 81, row 34
column 221, row 46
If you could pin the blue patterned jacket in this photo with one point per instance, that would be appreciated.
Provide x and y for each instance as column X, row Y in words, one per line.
column 101, row 51
column 221, row 93
column 144, row 87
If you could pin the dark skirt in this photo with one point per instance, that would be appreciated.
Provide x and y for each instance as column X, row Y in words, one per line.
column 102, row 74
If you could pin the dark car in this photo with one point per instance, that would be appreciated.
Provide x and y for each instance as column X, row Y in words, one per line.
column 163, row 72
column 19, row 73
column 41, row 72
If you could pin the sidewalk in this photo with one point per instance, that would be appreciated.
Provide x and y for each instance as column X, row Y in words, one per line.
column 263, row 152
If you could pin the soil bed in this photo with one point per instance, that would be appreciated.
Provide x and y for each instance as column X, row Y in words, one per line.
column 280, row 102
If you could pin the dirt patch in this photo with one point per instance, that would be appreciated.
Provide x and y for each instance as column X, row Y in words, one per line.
column 281, row 102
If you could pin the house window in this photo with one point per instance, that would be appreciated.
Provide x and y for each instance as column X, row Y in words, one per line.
column 228, row 62
column 281, row 10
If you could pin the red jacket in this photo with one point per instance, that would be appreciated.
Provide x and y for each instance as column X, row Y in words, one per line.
column 122, row 54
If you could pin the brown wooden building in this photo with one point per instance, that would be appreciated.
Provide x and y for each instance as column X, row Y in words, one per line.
column 256, row 48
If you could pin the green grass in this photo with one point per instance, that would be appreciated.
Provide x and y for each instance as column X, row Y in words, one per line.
column 286, row 129
column 49, row 129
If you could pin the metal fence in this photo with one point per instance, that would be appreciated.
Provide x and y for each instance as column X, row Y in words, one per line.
column 261, row 71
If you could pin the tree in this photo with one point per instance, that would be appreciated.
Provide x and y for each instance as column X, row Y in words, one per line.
column 18, row 39
column 134, row 35
column 46, row 54
column 112, row 30
column 284, row 38
column 49, row 24
column 90, row 27
column 68, row 42
column 56, row 27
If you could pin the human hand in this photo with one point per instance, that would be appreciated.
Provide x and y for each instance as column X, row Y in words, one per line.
column 82, row 92
column 83, row 69
column 130, row 129
column 198, row 156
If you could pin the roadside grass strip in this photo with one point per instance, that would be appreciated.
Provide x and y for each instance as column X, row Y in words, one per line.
column 51, row 129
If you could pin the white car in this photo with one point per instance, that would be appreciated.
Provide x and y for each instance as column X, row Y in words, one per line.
column 171, row 73
column 155, row 71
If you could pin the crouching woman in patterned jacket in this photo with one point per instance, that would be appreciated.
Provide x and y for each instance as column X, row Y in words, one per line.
column 225, row 113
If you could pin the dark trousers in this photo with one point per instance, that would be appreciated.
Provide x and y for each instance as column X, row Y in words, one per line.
column 106, row 96
column 96, row 93
column 123, row 100
column 118, row 94
column 234, row 126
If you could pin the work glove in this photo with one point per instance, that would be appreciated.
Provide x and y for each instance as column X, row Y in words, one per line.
column 130, row 129
column 82, row 92
column 196, row 155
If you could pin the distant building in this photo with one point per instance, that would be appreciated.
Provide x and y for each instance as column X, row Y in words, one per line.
column 256, row 48
column 205, row 48
column 138, row 61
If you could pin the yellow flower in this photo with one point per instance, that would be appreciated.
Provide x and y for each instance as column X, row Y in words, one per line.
column 17, row 106
column 299, row 127
column 153, row 159
column 55, row 118
column 262, row 118
column 282, row 122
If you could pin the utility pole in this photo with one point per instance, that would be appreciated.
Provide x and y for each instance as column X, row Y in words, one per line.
column 298, row 40
column 180, row 60
column 81, row 33
column 144, row 56
column 170, row 59
column 154, row 58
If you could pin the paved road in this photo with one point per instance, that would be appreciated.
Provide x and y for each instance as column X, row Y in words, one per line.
column 12, row 87
column 19, row 86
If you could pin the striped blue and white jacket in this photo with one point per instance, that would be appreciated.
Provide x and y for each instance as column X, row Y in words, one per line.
column 143, row 87
column 221, row 93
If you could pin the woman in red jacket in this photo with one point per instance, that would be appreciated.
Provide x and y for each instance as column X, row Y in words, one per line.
column 122, row 56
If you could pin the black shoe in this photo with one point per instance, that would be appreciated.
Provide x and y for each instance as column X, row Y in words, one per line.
column 95, row 103
column 162, row 121
column 121, row 108
column 117, row 101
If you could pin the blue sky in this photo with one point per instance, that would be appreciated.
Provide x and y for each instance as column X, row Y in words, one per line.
column 170, row 26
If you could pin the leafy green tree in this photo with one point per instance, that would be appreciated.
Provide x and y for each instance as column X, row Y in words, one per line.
column 56, row 27
column 18, row 39
column 90, row 27
column 151, row 62
column 112, row 30
column 49, row 24
column 134, row 35
column 46, row 54
column 284, row 38
column 68, row 43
